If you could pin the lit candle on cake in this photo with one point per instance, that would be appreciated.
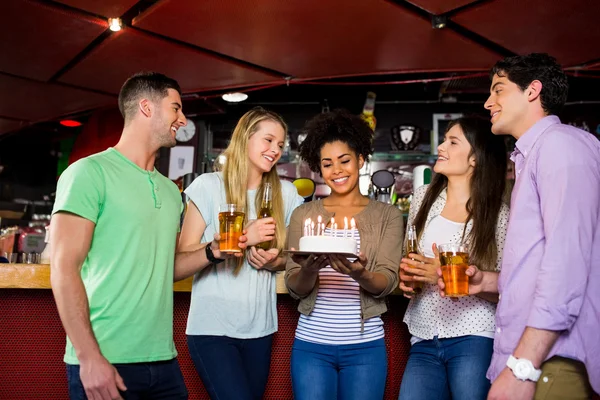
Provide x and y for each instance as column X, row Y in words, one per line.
column 332, row 227
column 312, row 228
column 319, row 220
column 352, row 227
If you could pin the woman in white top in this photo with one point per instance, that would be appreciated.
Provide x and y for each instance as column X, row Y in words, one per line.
column 452, row 339
column 233, row 312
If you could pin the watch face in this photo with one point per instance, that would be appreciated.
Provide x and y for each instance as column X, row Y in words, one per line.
column 187, row 132
column 522, row 369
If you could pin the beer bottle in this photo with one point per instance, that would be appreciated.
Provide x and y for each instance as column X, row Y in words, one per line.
column 411, row 247
column 266, row 210
column 368, row 110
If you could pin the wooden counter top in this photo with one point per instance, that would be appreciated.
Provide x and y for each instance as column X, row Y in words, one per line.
column 37, row 276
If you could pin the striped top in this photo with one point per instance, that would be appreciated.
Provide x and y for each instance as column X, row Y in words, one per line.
column 336, row 317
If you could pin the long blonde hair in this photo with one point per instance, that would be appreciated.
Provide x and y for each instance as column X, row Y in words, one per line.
column 235, row 172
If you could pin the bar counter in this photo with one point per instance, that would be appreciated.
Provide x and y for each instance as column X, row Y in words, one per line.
column 32, row 339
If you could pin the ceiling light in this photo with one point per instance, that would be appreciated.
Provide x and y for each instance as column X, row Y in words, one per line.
column 439, row 21
column 115, row 24
column 71, row 123
column 235, row 97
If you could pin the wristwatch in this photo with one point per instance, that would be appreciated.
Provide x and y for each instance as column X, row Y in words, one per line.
column 523, row 369
column 211, row 257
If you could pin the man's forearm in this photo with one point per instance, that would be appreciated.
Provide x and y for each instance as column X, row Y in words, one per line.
column 535, row 344
column 490, row 282
column 489, row 287
column 73, row 308
column 187, row 263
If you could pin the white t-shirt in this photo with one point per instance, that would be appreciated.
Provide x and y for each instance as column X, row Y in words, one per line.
column 242, row 306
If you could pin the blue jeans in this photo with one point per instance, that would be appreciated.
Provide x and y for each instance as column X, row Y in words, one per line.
column 329, row 372
column 148, row 381
column 441, row 369
column 232, row 369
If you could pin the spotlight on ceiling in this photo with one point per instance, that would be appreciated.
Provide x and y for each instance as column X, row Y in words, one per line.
column 439, row 21
column 115, row 24
column 71, row 123
column 235, row 97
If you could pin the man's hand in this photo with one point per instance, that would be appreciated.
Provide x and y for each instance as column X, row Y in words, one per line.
column 476, row 281
column 508, row 387
column 260, row 230
column 100, row 379
column 242, row 244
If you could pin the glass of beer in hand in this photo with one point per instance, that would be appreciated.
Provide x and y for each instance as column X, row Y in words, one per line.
column 231, row 222
column 455, row 261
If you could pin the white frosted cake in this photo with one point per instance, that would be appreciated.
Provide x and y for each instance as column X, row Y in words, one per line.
column 327, row 244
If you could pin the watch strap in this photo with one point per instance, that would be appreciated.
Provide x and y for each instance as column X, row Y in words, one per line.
column 533, row 375
column 211, row 257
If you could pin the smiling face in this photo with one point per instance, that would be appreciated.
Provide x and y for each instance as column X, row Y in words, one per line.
column 508, row 106
column 265, row 145
column 167, row 119
column 339, row 167
column 454, row 154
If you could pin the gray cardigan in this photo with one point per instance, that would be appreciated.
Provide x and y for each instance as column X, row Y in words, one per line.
column 381, row 231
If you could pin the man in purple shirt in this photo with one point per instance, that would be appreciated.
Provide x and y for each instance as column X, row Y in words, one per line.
column 547, row 341
column 548, row 316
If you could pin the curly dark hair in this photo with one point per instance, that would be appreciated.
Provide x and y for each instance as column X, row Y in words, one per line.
column 523, row 70
column 337, row 125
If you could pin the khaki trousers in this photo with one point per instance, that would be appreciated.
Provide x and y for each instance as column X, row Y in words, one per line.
column 563, row 379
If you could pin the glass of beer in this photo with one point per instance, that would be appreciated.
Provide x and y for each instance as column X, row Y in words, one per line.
column 231, row 222
column 455, row 261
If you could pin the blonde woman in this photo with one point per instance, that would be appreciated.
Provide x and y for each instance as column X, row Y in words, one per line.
column 233, row 311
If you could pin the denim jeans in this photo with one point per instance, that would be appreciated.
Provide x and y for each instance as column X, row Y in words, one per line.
column 329, row 372
column 144, row 381
column 441, row 369
column 232, row 369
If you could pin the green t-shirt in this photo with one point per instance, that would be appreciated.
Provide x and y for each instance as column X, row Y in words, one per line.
column 128, row 272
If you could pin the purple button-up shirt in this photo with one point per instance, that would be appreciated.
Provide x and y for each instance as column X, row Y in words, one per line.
column 550, row 276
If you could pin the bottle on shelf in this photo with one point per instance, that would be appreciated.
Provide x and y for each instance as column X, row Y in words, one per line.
column 369, row 110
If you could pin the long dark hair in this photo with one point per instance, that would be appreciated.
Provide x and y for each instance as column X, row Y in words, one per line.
column 487, row 188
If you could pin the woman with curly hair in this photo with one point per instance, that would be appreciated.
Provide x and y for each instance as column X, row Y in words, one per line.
column 339, row 349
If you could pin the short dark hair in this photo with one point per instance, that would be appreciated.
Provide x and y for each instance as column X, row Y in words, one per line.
column 152, row 84
column 522, row 70
column 337, row 125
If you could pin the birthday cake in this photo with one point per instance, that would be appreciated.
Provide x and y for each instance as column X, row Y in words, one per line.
column 327, row 244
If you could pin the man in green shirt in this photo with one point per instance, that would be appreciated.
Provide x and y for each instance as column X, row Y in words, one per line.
column 113, row 230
